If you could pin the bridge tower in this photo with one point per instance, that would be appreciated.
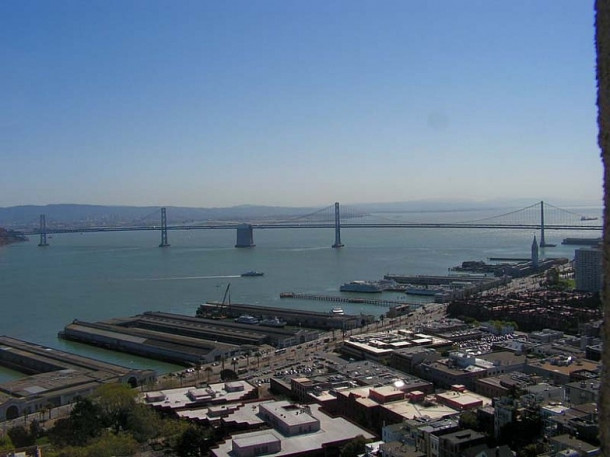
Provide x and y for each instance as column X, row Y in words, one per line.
column 542, row 241
column 164, row 242
column 338, row 243
column 43, row 231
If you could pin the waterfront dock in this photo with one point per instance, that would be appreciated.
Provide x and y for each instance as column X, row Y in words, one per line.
column 337, row 299
column 509, row 259
column 54, row 377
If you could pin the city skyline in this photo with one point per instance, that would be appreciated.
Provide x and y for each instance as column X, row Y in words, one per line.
column 206, row 104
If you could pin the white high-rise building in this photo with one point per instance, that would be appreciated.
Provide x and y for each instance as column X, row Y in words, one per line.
column 588, row 269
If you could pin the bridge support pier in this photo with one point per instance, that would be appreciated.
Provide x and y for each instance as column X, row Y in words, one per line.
column 43, row 231
column 338, row 243
column 245, row 236
column 164, row 242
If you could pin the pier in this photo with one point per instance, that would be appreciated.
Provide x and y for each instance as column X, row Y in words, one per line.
column 54, row 377
column 334, row 298
column 510, row 259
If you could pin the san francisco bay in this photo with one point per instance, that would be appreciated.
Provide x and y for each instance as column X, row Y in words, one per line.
column 99, row 276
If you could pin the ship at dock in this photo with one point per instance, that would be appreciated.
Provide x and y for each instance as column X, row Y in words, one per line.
column 246, row 319
column 368, row 287
column 272, row 322
column 425, row 291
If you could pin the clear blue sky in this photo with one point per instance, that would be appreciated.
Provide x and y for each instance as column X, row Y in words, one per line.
column 296, row 102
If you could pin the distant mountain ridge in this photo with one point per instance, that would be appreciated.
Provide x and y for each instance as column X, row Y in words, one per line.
column 29, row 215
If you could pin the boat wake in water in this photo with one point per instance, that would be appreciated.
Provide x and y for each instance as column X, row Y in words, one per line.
column 185, row 278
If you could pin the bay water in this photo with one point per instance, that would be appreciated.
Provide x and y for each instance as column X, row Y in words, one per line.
column 98, row 276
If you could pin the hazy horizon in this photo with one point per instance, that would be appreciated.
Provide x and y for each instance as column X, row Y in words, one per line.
column 297, row 104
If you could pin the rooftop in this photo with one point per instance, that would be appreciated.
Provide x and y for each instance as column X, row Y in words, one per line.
column 331, row 430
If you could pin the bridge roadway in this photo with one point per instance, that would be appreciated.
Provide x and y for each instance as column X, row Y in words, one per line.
column 233, row 226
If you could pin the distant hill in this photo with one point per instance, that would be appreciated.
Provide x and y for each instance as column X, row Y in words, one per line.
column 29, row 216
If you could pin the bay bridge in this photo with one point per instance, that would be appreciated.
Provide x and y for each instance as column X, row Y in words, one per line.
column 539, row 216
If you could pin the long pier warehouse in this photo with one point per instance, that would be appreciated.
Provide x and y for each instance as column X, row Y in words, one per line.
column 56, row 377
column 190, row 340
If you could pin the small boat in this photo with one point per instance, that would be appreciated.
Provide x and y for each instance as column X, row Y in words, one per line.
column 252, row 273
column 337, row 311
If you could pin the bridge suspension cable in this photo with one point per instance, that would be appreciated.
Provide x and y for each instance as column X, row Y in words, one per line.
column 581, row 217
column 498, row 216
column 324, row 213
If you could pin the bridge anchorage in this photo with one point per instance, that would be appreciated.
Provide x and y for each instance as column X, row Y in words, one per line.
column 245, row 236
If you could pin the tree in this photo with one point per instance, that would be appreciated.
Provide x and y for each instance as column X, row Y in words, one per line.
column 109, row 445
column 116, row 401
column 84, row 424
column 6, row 444
column 86, row 421
column 36, row 430
column 143, row 423
column 208, row 370
column 194, row 442
column 228, row 375
column 468, row 419
column 20, row 436
column 354, row 448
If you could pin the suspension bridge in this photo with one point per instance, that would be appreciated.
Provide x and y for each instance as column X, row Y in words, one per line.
column 539, row 216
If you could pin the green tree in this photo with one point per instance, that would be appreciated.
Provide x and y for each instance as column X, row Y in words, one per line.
column 468, row 419
column 36, row 430
column 194, row 442
column 208, row 371
column 228, row 375
column 21, row 437
column 354, row 448
column 109, row 445
column 144, row 423
column 116, row 401
column 86, row 421
column 6, row 444
column 84, row 424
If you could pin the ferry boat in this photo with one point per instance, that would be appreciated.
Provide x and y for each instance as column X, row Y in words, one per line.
column 252, row 273
column 361, row 286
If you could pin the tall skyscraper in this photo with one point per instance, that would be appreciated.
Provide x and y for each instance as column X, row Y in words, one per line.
column 588, row 269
